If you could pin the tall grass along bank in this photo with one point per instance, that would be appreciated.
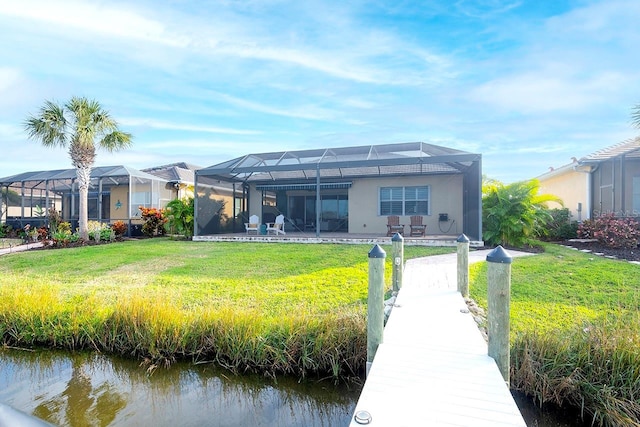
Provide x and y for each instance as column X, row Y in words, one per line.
column 574, row 332
column 293, row 309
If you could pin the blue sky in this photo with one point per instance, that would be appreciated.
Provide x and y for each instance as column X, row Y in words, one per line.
column 528, row 84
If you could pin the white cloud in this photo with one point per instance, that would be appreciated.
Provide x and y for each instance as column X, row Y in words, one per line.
column 158, row 124
column 104, row 18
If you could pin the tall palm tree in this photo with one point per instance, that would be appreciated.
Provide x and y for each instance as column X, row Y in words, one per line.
column 82, row 125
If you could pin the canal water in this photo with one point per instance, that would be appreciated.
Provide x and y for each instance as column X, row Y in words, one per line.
column 94, row 390
column 89, row 389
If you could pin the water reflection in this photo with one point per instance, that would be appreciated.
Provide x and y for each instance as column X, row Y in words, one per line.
column 93, row 390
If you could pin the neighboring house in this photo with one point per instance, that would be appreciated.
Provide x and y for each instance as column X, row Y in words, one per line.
column 571, row 184
column 607, row 181
column 351, row 189
column 115, row 193
column 181, row 178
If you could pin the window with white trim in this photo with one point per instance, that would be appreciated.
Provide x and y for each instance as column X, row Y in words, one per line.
column 404, row 200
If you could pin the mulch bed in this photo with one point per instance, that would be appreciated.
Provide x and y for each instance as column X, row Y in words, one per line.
column 629, row 254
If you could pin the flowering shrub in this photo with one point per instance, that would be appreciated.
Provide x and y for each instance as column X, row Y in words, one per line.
column 611, row 231
column 98, row 231
column 119, row 228
column 154, row 221
column 43, row 233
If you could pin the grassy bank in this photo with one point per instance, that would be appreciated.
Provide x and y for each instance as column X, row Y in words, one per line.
column 274, row 308
column 575, row 322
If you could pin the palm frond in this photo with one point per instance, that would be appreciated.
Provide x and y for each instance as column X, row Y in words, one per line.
column 635, row 116
column 49, row 125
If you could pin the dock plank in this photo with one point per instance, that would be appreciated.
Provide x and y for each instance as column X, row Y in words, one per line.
column 432, row 368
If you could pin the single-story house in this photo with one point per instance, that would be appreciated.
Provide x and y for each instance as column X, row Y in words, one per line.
column 349, row 189
column 115, row 193
column 607, row 181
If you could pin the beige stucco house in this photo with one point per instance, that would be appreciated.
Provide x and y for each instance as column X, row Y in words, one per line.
column 607, row 181
column 351, row 189
column 115, row 194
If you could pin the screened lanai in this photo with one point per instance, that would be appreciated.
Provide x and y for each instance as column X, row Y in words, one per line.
column 115, row 193
column 351, row 189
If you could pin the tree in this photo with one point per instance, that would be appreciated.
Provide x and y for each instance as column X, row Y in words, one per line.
column 82, row 125
column 514, row 213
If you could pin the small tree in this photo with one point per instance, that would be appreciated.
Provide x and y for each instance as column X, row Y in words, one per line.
column 179, row 214
column 514, row 213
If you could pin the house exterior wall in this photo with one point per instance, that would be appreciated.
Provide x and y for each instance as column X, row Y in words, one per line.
column 572, row 187
column 631, row 171
column 613, row 188
column 120, row 194
column 445, row 197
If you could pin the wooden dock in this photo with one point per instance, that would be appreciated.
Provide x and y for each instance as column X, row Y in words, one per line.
column 432, row 368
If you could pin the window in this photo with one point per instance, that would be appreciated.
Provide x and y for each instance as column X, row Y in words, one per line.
column 138, row 199
column 404, row 201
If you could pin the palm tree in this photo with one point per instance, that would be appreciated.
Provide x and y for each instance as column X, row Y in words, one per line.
column 635, row 116
column 77, row 125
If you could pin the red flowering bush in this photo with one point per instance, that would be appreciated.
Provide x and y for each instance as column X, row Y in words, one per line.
column 611, row 231
column 119, row 228
column 154, row 221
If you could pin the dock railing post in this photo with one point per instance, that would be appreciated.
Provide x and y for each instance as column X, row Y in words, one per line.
column 463, row 265
column 375, row 302
column 498, row 302
column 397, row 249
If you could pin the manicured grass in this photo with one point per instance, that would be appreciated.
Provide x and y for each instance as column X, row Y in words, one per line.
column 575, row 331
column 292, row 308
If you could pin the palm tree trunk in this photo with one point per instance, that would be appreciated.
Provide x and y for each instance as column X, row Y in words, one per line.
column 84, row 177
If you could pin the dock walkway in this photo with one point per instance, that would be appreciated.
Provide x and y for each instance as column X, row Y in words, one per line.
column 432, row 368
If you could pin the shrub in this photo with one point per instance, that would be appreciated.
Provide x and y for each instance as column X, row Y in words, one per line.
column 180, row 216
column 611, row 231
column 119, row 228
column 97, row 230
column 43, row 233
column 154, row 221
column 65, row 227
column 560, row 226
column 54, row 220
column 5, row 229
column 514, row 213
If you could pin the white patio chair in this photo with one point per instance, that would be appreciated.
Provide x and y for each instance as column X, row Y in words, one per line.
column 253, row 225
column 278, row 226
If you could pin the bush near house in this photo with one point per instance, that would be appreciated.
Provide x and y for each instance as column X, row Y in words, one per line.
column 154, row 221
column 512, row 214
column 179, row 213
column 119, row 228
column 611, row 231
column 560, row 226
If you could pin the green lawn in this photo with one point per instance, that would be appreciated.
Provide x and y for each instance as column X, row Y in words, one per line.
column 293, row 308
column 575, row 331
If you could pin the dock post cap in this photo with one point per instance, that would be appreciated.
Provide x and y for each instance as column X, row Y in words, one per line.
column 499, row 255
column 377, row 252
column 397, row 238
column 362, row 417
column 463, row 239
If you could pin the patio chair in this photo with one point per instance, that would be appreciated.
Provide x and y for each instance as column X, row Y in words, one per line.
column 417, row 227
column 394, row 226
column 253, row 224
column 278, row 226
